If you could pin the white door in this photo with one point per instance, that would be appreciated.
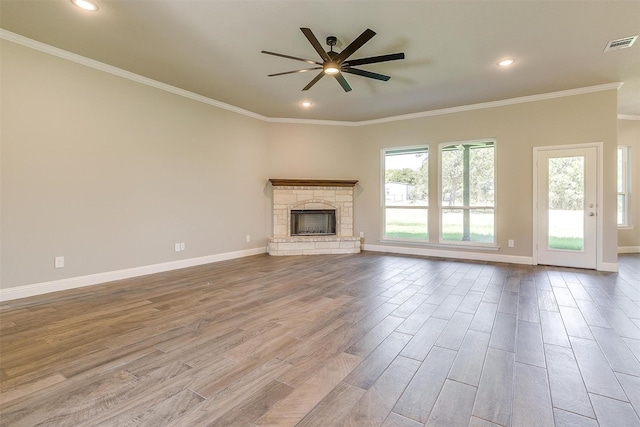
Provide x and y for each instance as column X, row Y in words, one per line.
column 566, row 207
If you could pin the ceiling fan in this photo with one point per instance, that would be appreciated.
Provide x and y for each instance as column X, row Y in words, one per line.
column 336, row 63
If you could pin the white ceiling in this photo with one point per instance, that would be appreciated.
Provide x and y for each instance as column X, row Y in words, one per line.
column 212, row 48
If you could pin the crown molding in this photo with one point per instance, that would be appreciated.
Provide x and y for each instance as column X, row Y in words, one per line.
column 312, row 122
column 82, row 60
column 501, row 103
column 471, row 107
column 43, row 47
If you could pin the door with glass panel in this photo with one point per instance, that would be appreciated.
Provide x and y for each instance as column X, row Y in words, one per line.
column 566, row 207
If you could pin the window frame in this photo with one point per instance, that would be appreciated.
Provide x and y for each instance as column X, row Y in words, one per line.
column 383, row 195
column 626, row 185
column 441, row 206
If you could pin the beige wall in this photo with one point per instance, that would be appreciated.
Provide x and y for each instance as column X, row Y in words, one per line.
column 312, row 151
column 629, row 135
column 111, row 173
column 517, row 128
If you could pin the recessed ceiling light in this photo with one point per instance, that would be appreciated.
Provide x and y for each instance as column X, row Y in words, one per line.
column 86, row 5
column 506, row 62
column 306, row 104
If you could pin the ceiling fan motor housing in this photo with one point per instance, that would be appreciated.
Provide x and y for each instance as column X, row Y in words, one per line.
column 332, row 40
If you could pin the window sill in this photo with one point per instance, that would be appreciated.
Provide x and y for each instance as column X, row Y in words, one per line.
column 625, row 227
column 469, row 246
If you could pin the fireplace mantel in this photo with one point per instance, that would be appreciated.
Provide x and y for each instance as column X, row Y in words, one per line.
column 276, row 182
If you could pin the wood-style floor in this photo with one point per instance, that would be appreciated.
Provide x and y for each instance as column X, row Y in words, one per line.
column 358, row 340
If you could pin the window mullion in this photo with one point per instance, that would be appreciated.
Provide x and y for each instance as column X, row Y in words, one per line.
column 466, row 195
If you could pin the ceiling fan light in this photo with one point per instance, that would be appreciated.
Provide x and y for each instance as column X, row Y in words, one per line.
column 331, row 69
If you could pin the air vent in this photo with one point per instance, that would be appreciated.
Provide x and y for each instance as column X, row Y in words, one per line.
column 620, row 43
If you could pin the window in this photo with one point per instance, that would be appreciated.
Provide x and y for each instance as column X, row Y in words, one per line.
column 406, row 193
column 467, row 192
column 624, row 186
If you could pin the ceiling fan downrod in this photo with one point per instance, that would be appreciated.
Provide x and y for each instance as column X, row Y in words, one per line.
column 332, row 41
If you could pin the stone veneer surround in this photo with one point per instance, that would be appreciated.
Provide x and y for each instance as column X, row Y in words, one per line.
column 290, row 194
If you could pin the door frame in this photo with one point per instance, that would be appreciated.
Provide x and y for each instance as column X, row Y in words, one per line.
column 599, row 197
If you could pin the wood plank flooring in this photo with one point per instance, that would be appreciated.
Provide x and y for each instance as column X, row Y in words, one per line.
column 346, row 340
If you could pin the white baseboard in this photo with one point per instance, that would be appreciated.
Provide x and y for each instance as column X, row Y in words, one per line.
column 24, row 291
column 611, row 267
column 109, row 276
column 476, row 256
column 473, row 256
column 628, row 249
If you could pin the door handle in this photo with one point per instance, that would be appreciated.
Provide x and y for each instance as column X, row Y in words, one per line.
column 592, row 214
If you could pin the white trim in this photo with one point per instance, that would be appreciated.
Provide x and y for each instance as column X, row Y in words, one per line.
column 453, row 246
column 60, row 53
column 500, row 103
column 625, row 150
column 600, row 264
column 628, row 249
column 628, row 117
column 475, row 256
column 24, row 291
column 611, row 267
column 311, row 122
column 42, row 47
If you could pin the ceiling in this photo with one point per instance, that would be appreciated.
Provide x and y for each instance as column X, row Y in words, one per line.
column 212, row 48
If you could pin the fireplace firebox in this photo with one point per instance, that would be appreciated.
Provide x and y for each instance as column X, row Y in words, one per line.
column 313, row 222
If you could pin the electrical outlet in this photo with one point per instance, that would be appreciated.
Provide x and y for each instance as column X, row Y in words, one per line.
column 177, row 247
column 248, row 238
column 58, row 262
column 182, row 246
column 362, row 234
column 511, row 243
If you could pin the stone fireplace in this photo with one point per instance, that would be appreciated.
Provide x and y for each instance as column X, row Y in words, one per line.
column 313, row 217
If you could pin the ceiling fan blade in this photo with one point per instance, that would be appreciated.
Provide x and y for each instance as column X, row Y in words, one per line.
column 374, row 59
column 308, row 61
column 364, row 73
column 304, row 70
column 314, row 81
column 343, row 82
column 315, row 43
column 355, row 45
